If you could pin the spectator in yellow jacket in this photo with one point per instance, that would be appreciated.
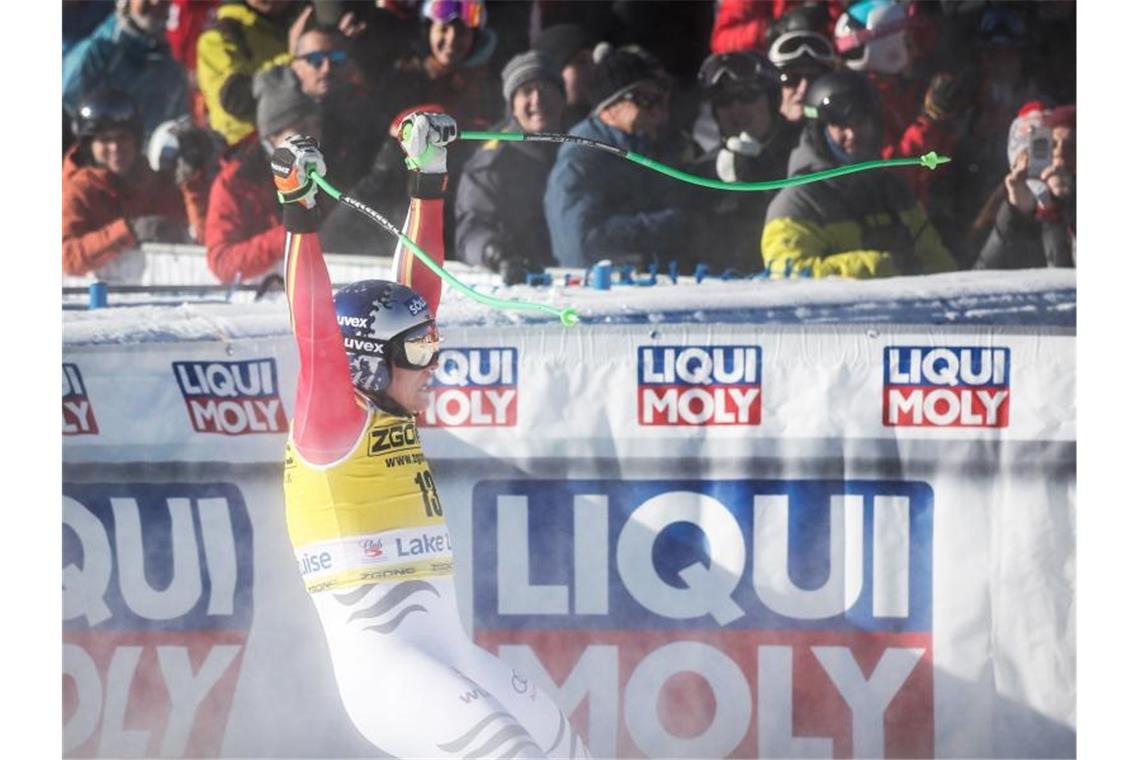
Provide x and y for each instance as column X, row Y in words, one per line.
column 867, row 224
column 246, row 37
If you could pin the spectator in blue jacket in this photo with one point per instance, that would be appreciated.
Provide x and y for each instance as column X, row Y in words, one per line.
column 601, row 207
column 130, row 53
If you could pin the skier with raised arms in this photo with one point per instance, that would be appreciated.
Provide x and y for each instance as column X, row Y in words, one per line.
column 363, row 514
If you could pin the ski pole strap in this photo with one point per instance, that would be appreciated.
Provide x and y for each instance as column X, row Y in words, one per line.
column 567, row 316
column 930, row 160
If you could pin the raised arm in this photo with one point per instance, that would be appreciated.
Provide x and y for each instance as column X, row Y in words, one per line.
column 327, row 418
column 424, row 138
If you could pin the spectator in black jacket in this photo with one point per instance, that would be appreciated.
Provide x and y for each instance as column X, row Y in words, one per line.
column 1036, row 224
column 744, row 91
column 500, row 223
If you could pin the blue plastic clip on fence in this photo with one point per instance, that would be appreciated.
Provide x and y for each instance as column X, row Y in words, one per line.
column 804, row 273
column 787, row 268
column 673, row 268
column 651, row 279
column 97, row 295
column 730, row 274
column 535, row 279
column 763, row 274
column 625, row 274
column 599, row 275
column 701, row 272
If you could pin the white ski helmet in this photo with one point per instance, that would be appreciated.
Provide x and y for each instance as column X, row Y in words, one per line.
column 870, row 36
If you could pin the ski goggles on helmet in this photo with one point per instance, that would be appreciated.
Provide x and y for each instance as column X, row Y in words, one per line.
column 798, row 47
column 472, row 13
column 730, row 68
column 416, row 348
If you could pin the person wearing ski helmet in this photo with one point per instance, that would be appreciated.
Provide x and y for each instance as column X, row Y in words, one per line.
column 358, row 488
column 918, row 116
column 743, row 91
column 112, row 200
column 860, row 225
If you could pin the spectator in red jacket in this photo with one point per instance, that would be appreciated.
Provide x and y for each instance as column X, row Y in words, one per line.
column 113, row 201
column 749, row 24
column 245, row 238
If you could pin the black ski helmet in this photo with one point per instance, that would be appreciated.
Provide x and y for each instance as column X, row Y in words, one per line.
column 737, row 71
column 841, row 97
column 106, row 109
column 373, row 316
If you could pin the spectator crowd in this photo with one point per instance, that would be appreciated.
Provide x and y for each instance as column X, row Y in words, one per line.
column 172, row 107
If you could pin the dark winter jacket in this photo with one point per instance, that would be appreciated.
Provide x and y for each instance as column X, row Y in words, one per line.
column 1019, row 241
column 727, row 230
column 599, row 206
column 138, row 64
column 244, row 234
column 383, row 188
column 98, row 206
column 499, row 201
column 860, row 225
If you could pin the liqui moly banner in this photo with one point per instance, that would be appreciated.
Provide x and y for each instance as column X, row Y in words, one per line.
column 704, row 540
column 762, row 618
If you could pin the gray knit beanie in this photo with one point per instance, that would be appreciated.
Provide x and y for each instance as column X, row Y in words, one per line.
column 526, row 67
column 280, row 101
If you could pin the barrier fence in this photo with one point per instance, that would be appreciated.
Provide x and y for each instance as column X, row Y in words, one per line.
column 705, row 539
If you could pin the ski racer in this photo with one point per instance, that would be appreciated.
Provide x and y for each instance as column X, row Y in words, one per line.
column 363, row 514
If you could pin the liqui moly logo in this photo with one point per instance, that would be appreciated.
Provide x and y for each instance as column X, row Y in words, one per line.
column 946, row 386
column 716, row 618
column 232, row 398
column 698, row 385
column 157, row 606
column 78, row 414
column 474, row 387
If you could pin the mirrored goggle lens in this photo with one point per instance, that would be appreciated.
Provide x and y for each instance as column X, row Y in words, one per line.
column 421, row 345
column 470, row 12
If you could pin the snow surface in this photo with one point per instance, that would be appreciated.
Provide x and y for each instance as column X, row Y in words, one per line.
column 1045, row 297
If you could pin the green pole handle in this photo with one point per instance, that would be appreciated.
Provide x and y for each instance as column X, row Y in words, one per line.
column 567, row 316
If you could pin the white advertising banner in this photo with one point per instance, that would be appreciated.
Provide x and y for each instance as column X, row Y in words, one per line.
column 706, row 540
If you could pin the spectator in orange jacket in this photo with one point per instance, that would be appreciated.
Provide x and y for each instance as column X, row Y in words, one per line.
column 245, row 238
column 113, row 201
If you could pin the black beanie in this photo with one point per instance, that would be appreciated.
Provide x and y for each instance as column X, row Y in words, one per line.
column 561, row 42
column 620, row 70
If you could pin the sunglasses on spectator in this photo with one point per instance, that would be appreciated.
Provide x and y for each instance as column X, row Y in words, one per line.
column 727, row 97
column 317, row 57
column 417, row 348
column 643, row 99
column 792, row 79
column 471, row 13
column 731, row 68
column 795, row 46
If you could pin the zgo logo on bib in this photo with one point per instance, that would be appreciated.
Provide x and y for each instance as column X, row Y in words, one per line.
column 474, row 387
column 698, row 385
column 157, row 606
column 78, row 414
column 946, row 386
column 717, row 618
column 232, row 398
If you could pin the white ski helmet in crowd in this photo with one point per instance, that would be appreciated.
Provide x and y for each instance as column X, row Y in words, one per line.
column 871, row 36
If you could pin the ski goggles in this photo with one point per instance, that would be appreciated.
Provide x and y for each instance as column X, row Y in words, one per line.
column 473, row 13
column 416, row 348
column 860, row 37
column 731, row 68
column 644, row 98
column 317, row 57
column 791, row 47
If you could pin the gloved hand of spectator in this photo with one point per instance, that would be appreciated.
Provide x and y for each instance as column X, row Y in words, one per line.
column 948, row 95
column 512, row 269
column 155, row 228
column 291, row 164
column 424, row 137
column 736, row 152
